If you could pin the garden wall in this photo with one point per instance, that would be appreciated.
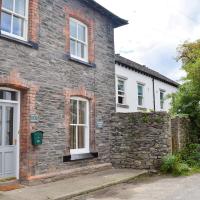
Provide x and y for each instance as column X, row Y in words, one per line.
column 180, row 133
column 140, row 140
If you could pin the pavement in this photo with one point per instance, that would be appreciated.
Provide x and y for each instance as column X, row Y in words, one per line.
column 72, row 187
column 155, row 188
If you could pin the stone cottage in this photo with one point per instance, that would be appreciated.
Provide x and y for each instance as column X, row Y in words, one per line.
column 57, row 76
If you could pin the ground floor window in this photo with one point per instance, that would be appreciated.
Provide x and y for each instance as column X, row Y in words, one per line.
column 79, row 126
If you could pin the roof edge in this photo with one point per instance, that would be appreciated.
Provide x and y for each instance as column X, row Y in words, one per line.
column 117, row 21
column 144, row 70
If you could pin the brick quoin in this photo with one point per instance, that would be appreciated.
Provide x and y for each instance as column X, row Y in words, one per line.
column 80, row 92
column 33, row 25
column 0, row 8
column 89, row 22
column 28, row 94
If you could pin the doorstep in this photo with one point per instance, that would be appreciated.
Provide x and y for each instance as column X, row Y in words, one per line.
column 56, row 176
column 9, row 184
column 72, row 187
column 8, row 181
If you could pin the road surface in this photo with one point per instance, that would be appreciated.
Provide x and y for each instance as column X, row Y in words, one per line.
column 155, row 188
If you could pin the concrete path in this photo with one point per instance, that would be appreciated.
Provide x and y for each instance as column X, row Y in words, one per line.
column 157, row 188
column 71, row 187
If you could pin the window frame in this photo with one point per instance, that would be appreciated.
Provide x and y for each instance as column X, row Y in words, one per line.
column 25, row 19
column 162, row 101
column 124, row 95
column 87, row 127
column 77, row 40
column 143, row 85
column 11, row 90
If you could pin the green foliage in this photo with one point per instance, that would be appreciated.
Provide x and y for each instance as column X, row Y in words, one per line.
column 184, row 162
column 172, row 164
column 181, row 169
column 145, row 118
column 168, row 163
column 187, row 100
column 191, row 155
column 158, row 120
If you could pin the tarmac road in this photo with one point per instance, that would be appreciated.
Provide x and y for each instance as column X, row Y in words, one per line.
column 155, row 188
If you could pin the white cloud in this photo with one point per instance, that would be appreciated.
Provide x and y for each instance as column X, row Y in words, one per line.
column 155, row 30
column 176, row 74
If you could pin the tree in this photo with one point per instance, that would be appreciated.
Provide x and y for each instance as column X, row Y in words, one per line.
column 187, row 99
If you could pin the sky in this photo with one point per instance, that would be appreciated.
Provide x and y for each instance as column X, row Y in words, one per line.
column 156, row 28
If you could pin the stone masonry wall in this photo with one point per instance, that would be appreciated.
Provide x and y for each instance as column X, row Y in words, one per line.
column 140, row 140
column 180, row 132
column 49, row 68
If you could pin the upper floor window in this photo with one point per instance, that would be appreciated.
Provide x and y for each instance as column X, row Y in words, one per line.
column 140, row 88
column 78, row 40
column 14, row 18
column 162, row 94
column 121, row 91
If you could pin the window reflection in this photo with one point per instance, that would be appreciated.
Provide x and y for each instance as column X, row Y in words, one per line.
column 78, row 123
column 8, row 95
column 9, row 126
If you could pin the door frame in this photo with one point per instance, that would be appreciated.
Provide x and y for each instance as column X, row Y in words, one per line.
column 17, row 103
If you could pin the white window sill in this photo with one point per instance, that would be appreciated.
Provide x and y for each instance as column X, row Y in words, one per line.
column 79, row 58
column 122, row 106
column 19, row 41
column 78, row 157
column 70, row 58
column 13, row 36
column 141, row 108
column 79, row 151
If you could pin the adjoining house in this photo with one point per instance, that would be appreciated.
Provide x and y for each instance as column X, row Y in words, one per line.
column 57, row 85
column 139, row 88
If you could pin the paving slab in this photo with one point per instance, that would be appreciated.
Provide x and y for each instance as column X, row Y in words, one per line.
column 71, row 187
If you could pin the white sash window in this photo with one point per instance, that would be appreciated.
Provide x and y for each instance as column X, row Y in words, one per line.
column 79, row 126
column 78, row 40
column 14, row 18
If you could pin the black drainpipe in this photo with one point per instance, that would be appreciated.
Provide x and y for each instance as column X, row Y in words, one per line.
column 154, row 99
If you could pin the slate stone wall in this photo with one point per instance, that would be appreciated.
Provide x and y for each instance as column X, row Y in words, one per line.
column 140, row 140
column 49, row 69
column 180, row 132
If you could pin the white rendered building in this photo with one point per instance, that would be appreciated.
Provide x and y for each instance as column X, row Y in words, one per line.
column 139, row 88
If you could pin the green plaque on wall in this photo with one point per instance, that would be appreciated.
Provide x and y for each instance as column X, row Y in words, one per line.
column 34, row 118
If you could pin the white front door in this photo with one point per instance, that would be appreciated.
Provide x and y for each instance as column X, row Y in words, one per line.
column 8, row 139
